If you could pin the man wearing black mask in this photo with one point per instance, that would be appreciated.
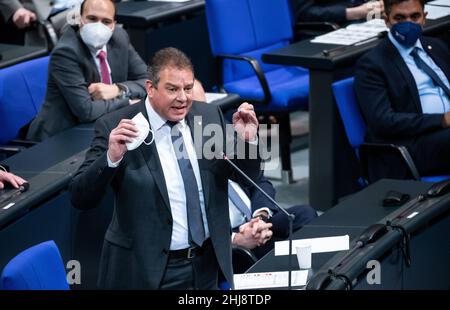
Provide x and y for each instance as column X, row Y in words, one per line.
column 402, row 87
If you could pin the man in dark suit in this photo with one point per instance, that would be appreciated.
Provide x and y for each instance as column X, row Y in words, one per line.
column 93, row 70
column 152, row 242
column 402, row 87
column 336, row 11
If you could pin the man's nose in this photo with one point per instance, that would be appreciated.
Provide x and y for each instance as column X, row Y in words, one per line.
column 181, row 96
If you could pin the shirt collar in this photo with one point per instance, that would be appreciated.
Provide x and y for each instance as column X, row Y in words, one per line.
column 404, row 51
column 156, row 120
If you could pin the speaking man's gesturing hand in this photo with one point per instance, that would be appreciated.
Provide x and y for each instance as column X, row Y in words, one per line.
column 245, row 122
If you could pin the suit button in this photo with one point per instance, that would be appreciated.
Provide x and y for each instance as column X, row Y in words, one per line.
column 165, row 251
column 99, row 171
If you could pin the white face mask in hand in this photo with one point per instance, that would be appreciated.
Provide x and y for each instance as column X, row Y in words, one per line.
column 144, row 128
column 95, row 35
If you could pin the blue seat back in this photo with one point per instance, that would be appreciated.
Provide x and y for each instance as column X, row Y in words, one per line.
column 37, row 268
column 248, row 28
column 348, row 107
column 354, row 124
column 22, row 92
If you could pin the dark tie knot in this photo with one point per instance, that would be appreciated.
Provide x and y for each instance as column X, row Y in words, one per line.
column 171, row 124
column 415, row 51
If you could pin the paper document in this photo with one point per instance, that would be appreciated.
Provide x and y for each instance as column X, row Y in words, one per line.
column 247, row 281
column 318, row 245
column 353, row 33
column 435, row 12
column 440, row 2
column 210, row 97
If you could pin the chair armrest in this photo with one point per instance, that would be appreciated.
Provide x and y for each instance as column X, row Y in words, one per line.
column 50, row 33
column 9, row 150
column 256, row 67
column 25, row 143
column 402, row 151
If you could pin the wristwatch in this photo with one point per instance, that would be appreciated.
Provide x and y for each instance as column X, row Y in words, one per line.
column 261, row 217
column 124, row 92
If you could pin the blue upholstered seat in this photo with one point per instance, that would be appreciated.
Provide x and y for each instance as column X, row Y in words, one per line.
column 240, row 32
column 37, row 268
column 355, row 126
column 22, row 91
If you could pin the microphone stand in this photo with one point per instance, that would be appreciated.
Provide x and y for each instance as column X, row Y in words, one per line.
column 290, row 216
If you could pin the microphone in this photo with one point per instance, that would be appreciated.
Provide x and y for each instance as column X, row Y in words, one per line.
column 24, row 187
column 290, row 216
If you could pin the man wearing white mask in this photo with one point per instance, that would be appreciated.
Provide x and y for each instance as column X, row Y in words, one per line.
column 93, row 70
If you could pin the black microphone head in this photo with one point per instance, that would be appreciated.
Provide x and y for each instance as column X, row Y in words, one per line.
column 24, row 187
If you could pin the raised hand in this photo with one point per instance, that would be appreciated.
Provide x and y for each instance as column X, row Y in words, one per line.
column 245, row 122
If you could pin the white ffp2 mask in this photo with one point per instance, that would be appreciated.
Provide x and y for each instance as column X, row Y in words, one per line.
column 95, row 35
column 144, row 128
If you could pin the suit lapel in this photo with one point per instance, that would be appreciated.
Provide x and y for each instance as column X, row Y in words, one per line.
column 113, row 61
column 91, row 74
column 202, row 162
column 150, row 154
column 404, row 70
column 441, row 62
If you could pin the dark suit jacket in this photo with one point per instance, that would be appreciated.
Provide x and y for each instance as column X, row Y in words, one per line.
column 71, row 70
column 322, row 10
column 137, row 242
column 388, row 95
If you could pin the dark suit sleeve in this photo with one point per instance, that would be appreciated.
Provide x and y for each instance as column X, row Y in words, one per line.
column 372, row 92
column 258, row 199
column 69, row 78
column 310, row 11
column 94, row 176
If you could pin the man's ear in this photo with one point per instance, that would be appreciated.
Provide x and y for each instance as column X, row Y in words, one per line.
column 149, row 88
column 424, row 18
column 386, row 20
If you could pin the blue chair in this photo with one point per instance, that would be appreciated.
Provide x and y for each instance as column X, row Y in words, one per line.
column 240, row 32
column 355, row 128
column 22, row 91
column 37, row 268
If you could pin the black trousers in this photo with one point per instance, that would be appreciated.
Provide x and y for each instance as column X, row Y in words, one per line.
column 431, row 153
column 197, row 273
